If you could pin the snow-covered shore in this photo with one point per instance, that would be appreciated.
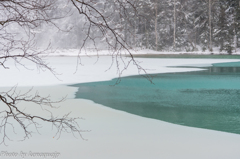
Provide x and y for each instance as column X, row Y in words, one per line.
column 115, row 134
column 137, row 51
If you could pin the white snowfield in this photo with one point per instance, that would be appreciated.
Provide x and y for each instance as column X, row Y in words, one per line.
column 114, row 134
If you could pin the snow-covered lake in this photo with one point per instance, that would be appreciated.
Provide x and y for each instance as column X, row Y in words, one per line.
column 92, row 69
column 114, row 134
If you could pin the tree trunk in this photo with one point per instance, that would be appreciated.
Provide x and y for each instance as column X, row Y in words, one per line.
column 235, row 39
column 146, row 33
column 156, row 25
column 210, row 25
column 174, row 26
column 136, row 20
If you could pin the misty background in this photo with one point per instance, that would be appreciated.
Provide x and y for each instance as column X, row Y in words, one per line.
column 162, row 25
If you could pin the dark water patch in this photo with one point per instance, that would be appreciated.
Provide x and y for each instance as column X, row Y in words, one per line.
column 206, row 99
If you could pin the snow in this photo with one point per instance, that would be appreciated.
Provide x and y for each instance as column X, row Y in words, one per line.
column 92, row 69
column 114, row 134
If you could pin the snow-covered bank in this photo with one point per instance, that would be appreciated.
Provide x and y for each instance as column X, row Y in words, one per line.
column 94, row 52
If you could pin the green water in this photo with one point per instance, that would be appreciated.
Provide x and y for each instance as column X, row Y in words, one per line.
column 206, row 99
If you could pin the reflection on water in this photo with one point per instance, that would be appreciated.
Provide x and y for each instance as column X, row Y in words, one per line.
column 224, row 69
column 206, row 99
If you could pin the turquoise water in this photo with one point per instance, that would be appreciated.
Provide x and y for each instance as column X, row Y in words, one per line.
column 206, row 99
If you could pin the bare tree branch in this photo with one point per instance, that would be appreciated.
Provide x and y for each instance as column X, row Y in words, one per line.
column 95, row 16
column 12, row 98
column 19, row 47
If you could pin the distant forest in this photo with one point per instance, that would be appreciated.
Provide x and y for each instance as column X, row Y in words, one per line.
column 162, row 25
column 189, row 25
